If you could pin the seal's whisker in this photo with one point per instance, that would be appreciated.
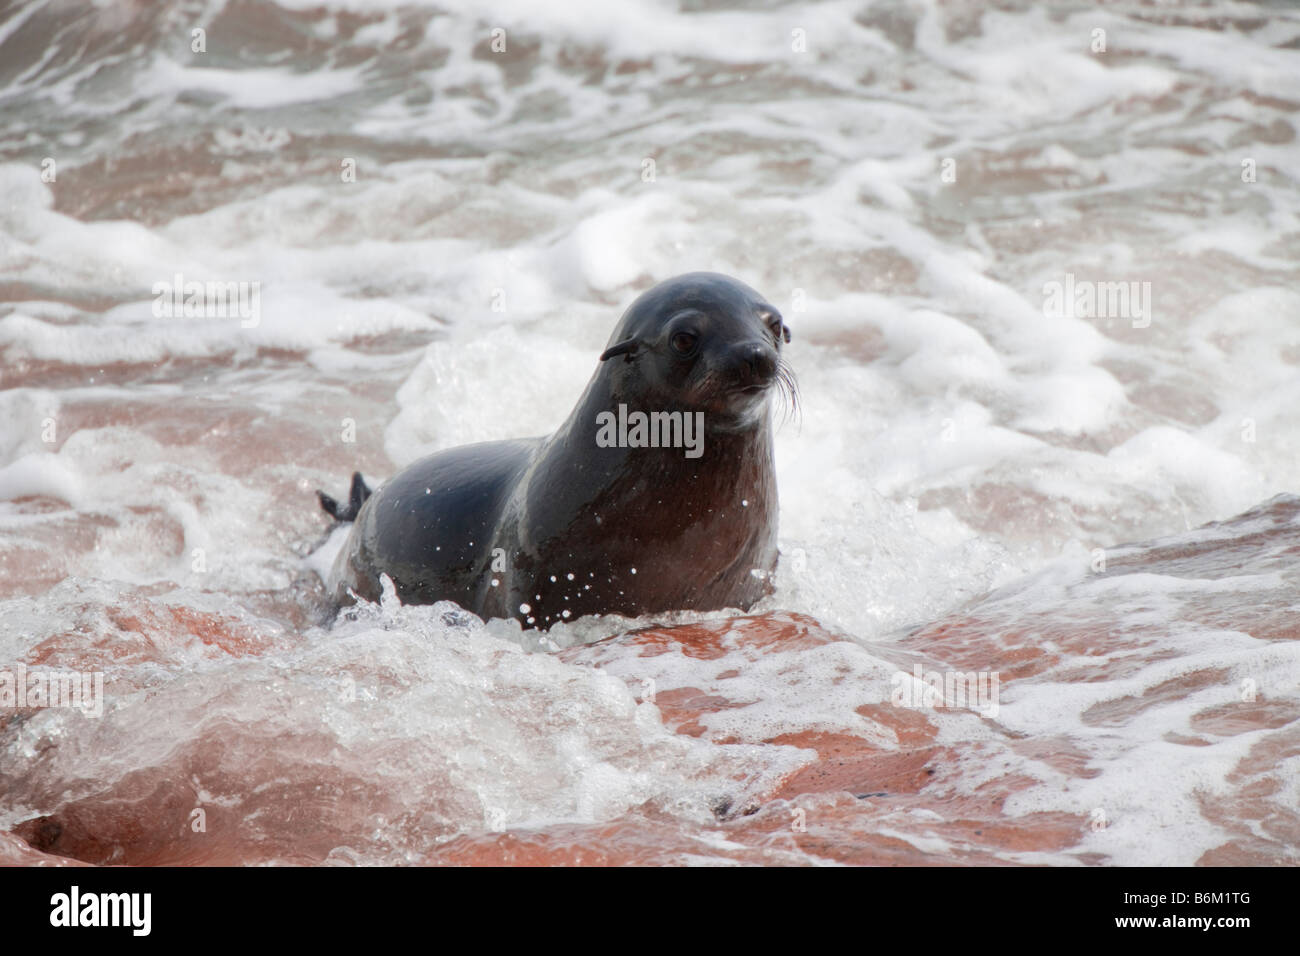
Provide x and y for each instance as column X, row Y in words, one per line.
column 788, row 389
column 710, row 383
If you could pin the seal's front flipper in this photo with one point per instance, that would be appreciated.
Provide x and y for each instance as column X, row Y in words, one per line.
column 357, row 496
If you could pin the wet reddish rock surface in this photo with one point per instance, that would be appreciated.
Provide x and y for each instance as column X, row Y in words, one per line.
column 911, row 785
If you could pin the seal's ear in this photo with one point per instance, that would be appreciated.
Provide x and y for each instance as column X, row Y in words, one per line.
column 627, row 347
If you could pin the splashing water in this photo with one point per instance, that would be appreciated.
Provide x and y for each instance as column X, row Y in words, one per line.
column 1042, row 300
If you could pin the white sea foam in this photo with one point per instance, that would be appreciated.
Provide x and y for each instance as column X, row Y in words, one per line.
column 953, row 437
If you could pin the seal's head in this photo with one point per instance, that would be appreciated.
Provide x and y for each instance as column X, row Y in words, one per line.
column 701, row 342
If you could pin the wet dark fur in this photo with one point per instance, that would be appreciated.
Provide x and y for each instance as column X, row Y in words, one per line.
column 571, row 526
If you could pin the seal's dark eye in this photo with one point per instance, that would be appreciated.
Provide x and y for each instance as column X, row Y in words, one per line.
column 776, row 325
column 684, row 342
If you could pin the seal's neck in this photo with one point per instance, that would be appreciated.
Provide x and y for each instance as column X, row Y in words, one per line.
column 605, row 463
column 626, row 433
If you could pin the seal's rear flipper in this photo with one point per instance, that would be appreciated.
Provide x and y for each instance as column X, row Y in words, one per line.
column 357, row 496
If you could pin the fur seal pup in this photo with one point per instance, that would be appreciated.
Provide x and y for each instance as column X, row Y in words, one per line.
column 657, row 494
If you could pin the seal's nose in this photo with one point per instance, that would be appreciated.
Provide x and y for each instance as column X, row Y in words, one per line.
column 755, row 364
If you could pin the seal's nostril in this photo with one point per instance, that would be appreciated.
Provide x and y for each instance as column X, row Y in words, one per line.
column 756, row 364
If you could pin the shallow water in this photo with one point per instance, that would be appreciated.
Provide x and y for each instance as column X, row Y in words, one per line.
column 956, row 493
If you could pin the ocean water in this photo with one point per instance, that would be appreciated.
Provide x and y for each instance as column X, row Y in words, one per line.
column 1040, row 262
